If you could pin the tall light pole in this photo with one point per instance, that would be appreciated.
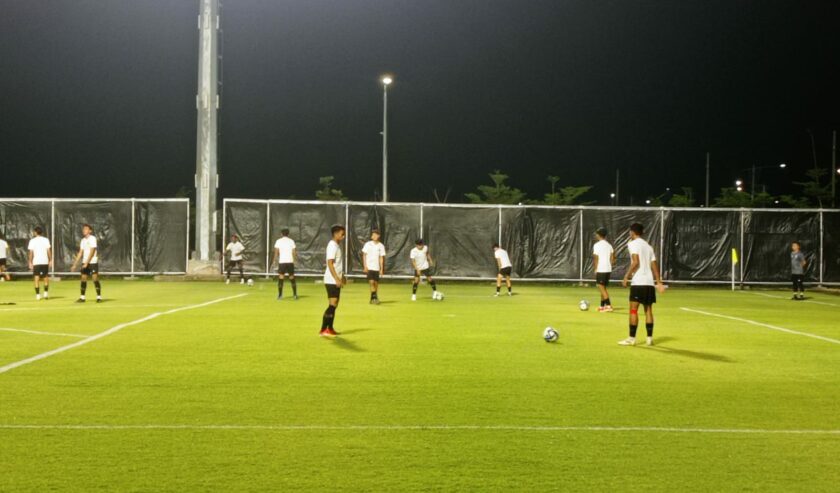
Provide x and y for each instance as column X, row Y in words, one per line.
column 386, row 81
column 707, row 179
column 753, row 169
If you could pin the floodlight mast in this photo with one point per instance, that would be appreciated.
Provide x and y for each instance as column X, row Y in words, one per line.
column 207, row 104
column 386, row 81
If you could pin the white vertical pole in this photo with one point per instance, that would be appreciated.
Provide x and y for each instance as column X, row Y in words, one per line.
column 707, row 178
column 224, row 234
column 662, row 242
column 580, row 222
column 742, row 257
column 385, row 142
column 267, row 237
column 347, row 237
column 821, row 247
column 422, row 233
column 186, row 265
column 133, row 220
column 500, row 226
column 52, row 232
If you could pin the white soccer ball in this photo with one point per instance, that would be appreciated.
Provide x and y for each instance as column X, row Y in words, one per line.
column 583, row 305
column 250, row 282
column 550, row 334
column 438, row 296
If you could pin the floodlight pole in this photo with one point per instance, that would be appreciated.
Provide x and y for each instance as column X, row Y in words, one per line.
column 386, row 81
column 207, row 104
column 833, row 167
column 707, row 179
column 617, row 177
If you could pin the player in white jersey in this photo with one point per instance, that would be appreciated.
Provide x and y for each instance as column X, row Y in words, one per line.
column 334, row 280
column 235, row 249
column 285, row 253
column 505, row 269
column 373, row 264
column 89, row 255
column 644, row 279
column 4, row 255
column 421, row 261
column 603, row 258
column 40, row 261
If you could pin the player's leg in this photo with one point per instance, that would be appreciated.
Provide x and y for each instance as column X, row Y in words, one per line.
column 37, row 281
column 498, row 283
column 633, row 325
column 97, row 285
column 241, row 272
column 294, row 284
column 46, row 278
column 328, row 321
column 5, row 273
column 82, row 288
column 227, row 273
column 433, row 284
column 415, row 282
column 649, row 323
column 801, row 281
column 281, row 278
column 509, row 285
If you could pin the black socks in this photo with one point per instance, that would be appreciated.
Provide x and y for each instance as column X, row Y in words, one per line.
column 649, row 329
column 329, row 318
column 633, row 330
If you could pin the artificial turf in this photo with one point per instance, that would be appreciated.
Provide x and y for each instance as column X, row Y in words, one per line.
column 463, row 394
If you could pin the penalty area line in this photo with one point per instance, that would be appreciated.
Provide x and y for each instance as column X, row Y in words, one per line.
column 649, row 429
column 760, row 324
column 112, row 330
column 41, row 333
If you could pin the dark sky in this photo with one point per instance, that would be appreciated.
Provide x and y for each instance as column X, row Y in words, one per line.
column 97, row 98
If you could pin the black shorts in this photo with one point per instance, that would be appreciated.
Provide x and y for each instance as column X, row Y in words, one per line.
column 2, row 262
column 602, row 278
column 645, row 295
column 90, row 270
column 233, row 264
column 506, row 271
column 424, row 273
column 373, row 275
column 42, row 270
column 284, row 269
column 333, row 291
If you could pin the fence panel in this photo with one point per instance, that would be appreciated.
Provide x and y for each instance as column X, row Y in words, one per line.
column 400, row 227
column 309, row 225
column 543, row 243
column 17, row 220
column 698, row 244
column 461, row 239
column 831, row 246
column 767, row 239
column 617, row 222
column 111, row 222
column 160, row 236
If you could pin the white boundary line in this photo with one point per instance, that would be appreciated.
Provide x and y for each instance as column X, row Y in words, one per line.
column 753, row 322
column 41, row 333
column 800, row 301
column 653, row 429
column 112, row 330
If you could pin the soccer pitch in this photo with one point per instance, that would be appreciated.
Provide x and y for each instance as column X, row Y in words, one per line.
column 740, row 392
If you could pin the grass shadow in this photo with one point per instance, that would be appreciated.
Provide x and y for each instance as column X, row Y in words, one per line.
column 347, row 345
column 353, row 331
column 685, row 352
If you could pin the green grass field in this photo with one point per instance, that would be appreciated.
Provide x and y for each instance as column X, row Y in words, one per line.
column 242, row 395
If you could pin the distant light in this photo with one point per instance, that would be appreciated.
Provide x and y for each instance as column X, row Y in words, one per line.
column 838, row 171
column 738, row 183
column 612, row 195
column 783, row 165
column 387, row 80
column 740, row 189
column 776, row 202
column 667, row 189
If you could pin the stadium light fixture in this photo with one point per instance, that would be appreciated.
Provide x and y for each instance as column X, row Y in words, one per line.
column 783, row 165
column 647, row 201
column 386, row 81
column 738, row 183
column 612, row 195
column 739, row 188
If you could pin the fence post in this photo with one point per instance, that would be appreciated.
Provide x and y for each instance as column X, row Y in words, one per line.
column 347, row 238
column 500, row 226
column 52, row 233
column 662, row 242
column 422, row 233
column 580, row 234
column 743, row 255
column 821, row 248
column 187, row 265
column 267, row 237
column 133, row 219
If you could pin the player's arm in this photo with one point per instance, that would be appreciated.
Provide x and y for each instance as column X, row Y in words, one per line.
column 382, row 264
column 294, row 253
column 30, row 260
column 364, row 262
column 76, row 260
column 49, row 256
column 498, row 263
column 634, row 266
column 595, row 262
column 334, row 273
column 276, row 256
column 414, row 266
column 654, row 267
column 429, row 257
column 612, row 258
column 92, row 254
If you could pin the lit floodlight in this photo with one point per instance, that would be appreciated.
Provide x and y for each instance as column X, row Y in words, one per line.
column 612, row 195
column 738, row 183
column 387, row 80
column 783, row 165
column 647, row 201
column 739, row 188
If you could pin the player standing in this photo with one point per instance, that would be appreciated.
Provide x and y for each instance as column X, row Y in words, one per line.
column 421, row 261
column 285, row 253
column 334, row 280
column 89, row 255
column 373, row 261
column 4, row 254
column 235, row 247
column 644, row 272
column 603, row 256
column 40, row 261
column 505, row 269
column 797, row 270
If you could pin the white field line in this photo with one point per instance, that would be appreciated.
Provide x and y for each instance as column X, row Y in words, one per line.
column 112, row 330
column 79, row 307
column 41, row 333
column 800, row 301
column 768, row 326
column 649, row 429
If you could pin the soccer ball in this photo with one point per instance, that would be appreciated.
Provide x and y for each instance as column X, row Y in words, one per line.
column 583, row 305
column 550, row 335
column 438, row 296
column 250, row 282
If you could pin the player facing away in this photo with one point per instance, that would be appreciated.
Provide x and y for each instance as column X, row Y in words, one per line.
column 89, row 255
column 40, row 261
column 643, row 275
column 285, row 253
column 603, row 257
column 334, row 280
column 235, row 248
column 373, row 261
column 421, row 261
column 505, row 269
column 4, row 255
column 797, row 270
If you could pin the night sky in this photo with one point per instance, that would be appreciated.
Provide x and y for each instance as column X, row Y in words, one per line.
column 97, row 98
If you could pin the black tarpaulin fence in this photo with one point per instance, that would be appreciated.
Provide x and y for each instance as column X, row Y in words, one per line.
column 134, row 236
column 693, row 245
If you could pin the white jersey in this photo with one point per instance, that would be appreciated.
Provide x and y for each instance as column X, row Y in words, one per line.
column 373, row 252
column 334, row 253
column 286, row 247
column 644, row 274
column 4, row 249
column 40, row 247
column 420, row 256
column 87, row 244
column 235, row 250
column 504, row 259
column 604, row 251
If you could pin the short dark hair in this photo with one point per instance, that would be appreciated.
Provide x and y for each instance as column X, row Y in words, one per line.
column 796, row 243
column 284, row 231
column 88, row 226
column 335, row 229
column 637, row 228
column 38, row 231
column 375, row 230
column 419, row 241
column 602, row 232
column 496, row 245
